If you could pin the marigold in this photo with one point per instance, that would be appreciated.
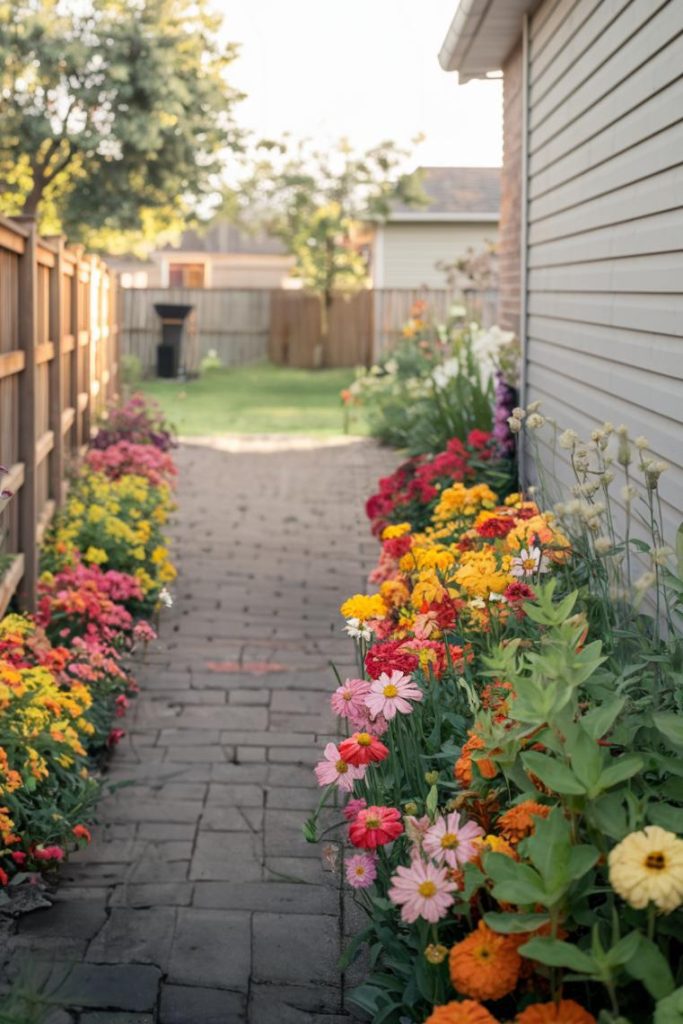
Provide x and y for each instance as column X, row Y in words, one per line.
column 485, row 965
column 465, row 1012
column 518, row 821
column 463, row 766
column 364, row 607
column 564, row 1012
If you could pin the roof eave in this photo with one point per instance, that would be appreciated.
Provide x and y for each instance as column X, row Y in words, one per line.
column 481, row 36
column 424, row 217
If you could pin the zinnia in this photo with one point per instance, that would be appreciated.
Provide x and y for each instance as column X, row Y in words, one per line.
column 422, row 890
column 450, row 842
column 348, row 700
column 518, row 821
column 362, row 748
column 647, row 867
column 392, row 693
column 361, row 870
column 375, row 826
column 465, row 1012
column 564, row 1012
column 485, row 965
column 335, row 769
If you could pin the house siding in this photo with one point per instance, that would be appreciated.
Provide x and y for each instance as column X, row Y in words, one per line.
column 509, row 252
column 410, row 252
column 604, row 330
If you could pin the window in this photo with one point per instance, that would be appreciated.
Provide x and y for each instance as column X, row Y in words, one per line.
column 186, row 275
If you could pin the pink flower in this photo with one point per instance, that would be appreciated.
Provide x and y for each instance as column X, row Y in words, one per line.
column 122, row 704
column 392, row 693
column 422, row 890
column 449, row 842
column 375, row 826
column 48, row 853
column 417, row 828
column 349, row 700
column 361, row 870
column 334, row 769
column 365, row 722
column 527, row 563
column 353, row 807
column 115, row 737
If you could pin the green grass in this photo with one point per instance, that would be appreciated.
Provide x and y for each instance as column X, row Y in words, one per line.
column 261, row 399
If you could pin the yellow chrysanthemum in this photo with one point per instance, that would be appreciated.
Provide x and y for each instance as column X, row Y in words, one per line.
column 364, row 607
column 396, row 530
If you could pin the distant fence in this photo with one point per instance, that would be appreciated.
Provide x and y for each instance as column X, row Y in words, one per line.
column 58, row 369
column 246, row 325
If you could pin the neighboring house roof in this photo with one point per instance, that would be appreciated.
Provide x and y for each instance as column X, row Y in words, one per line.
column 481, row 36
column 455, row 194
column 223, row 237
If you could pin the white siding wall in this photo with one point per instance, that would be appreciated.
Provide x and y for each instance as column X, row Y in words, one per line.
column 410, row 251
column 605, row 221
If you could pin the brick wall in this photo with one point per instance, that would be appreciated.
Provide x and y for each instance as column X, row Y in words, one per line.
column 511, row 194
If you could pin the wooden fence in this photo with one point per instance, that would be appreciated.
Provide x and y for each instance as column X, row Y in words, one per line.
column 246, row 325
column 58, row 369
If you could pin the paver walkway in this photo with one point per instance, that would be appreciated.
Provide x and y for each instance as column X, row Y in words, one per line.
column 199, row 902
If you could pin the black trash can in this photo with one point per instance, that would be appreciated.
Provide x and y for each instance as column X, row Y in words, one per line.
column 169, row 351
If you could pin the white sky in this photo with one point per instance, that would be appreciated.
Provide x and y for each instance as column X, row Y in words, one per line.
column 365, row 69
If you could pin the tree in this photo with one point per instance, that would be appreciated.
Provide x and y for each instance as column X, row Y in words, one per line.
column 115, row 114
column 316, row 202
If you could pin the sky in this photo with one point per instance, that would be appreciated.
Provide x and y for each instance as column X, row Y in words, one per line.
column 363, row 69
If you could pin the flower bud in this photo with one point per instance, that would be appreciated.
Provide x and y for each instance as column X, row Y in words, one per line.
column 431, row 778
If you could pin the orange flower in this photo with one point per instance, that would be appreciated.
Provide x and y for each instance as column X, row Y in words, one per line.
column 81, row 832
column 466, row 1012
column 463, row 766
column 485, row 965
column 494, row 844
column 564, row 1012
column 518, row 822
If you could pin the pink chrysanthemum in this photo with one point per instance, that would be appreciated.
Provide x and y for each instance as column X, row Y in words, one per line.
column 392, row 693
column 361, row 870
column 334, row 769
column 450, row 842
column 422, row 890
column 348, row 700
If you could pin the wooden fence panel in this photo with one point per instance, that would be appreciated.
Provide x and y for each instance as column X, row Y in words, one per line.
column 58, row 365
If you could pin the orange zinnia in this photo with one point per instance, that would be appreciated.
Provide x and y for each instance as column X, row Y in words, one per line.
column 466, row 1012
column 463, row 766
column 564, row 1012
column 485, row 965
column 518, row 822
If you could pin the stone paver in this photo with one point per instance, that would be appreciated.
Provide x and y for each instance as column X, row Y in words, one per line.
column 199, row 902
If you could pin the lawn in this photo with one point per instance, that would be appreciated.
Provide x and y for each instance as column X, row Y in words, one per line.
column 260, row 399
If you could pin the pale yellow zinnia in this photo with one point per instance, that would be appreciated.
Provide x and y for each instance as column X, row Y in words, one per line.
column 647, row 867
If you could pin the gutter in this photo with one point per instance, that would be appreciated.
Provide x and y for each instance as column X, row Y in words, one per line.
column 420, row 217
column 458, row 40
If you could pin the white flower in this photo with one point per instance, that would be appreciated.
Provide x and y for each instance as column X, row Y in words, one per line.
column 357, row 630
column 445, row 372
column 514, row 425
column 529, row 562
column 165, row 597
column 535, row 421
column 498, row 597
column 391, row 366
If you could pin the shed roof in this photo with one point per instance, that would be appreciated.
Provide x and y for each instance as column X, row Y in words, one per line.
column 481, row 36
column 455, row 193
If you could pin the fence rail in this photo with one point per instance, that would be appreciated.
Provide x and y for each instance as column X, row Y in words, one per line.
column 58, row 369
column 246, row 325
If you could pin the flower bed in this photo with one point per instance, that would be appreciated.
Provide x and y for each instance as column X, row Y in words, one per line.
column 65, row 673
column 510, row 777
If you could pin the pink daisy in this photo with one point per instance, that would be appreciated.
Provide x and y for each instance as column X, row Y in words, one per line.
column 334, row 769
column 392, row 693
column 361, row 870
column 422, row 890
column 449, row 842
column 348, row 700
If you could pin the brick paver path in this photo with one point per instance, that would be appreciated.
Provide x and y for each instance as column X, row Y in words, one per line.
column 199, row 902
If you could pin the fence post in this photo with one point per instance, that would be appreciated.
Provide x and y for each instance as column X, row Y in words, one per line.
column 76, row 357
column 28, row 512
column 56, row 371
column 87, row 357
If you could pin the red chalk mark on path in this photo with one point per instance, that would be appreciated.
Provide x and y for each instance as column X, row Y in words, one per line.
column 256, row 668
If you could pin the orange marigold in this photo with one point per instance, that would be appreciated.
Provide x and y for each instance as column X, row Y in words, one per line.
column 463, row 766
column 485, row 965
column 564, row 1012
column 518, row 822
column 466, row 1012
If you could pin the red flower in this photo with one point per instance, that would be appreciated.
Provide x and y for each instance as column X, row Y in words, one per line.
column 115, row 736
column 81, row 832
column 4, row 877
column 375, row 826
column 518, row 592
column 389, row 656
column 19, row 857
column 362, row 748
column 48, row 853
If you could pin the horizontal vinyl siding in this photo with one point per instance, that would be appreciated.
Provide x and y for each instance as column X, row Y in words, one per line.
column 605, row 223
column 411, row 251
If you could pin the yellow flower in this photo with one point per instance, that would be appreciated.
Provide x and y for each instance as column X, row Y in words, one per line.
column 364, row 607
column 139, row 553
column 397, row 530
column 96, row 556
column 647, row 867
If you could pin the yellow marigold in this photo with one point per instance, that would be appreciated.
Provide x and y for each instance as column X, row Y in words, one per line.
column 647, row 867
column 465, row 1012
column 364, row 607
column 396, row 530
column 495, row 844
column 485, row 965
column 427, row 590
column 518, row 822
column 564, row 1012
column 394, row 593
column 459, row 501
column 480, row 574
column 540, row 531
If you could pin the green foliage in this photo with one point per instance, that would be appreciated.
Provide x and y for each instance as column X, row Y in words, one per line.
column 116, row 115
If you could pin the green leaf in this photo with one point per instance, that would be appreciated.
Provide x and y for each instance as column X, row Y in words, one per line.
column 670, row 725
column 559, row 777
column 649, row 966
column 514, row 924
column 598, row 721
column 353, row 948
column 555, row 953
column 670, row 1009
column 587, row 757
column 431, row 802
column 618, row 771
column 667, row 816
column 624, row 950
column 514, row 883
